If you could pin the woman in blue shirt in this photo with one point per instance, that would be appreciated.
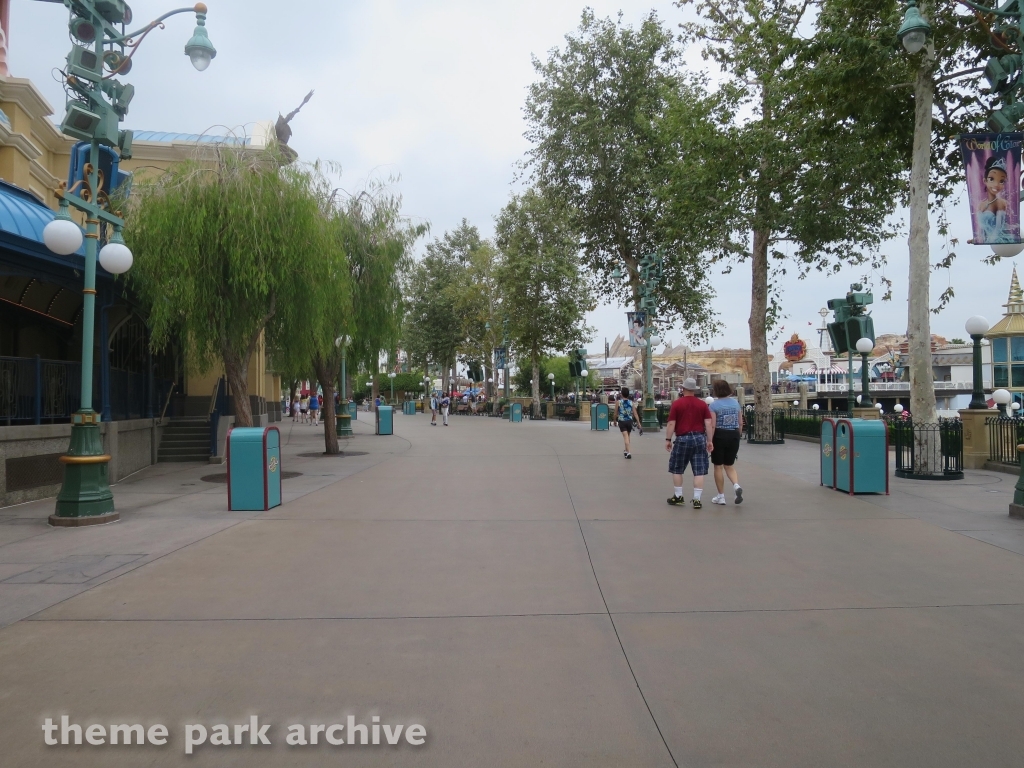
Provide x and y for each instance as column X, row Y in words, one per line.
column 728, row 427
column 627, row 415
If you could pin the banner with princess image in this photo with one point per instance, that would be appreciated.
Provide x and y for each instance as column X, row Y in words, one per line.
column 992, row 165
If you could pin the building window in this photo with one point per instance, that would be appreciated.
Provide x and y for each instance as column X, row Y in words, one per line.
column 1001, row 374
column 1017, row 349
column 999, row 351
column 1017, row 376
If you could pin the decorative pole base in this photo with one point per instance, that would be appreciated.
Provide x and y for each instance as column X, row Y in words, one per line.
column 343, row 425
column 85, row 497
column 650, row 420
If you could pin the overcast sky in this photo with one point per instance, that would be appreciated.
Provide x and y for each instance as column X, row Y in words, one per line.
column 431, row 92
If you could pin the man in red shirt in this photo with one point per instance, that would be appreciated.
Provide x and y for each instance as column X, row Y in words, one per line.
column 689, row 440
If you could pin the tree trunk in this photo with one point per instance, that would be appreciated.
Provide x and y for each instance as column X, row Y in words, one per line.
column 238, row 380
column 323, row 369
column 291, row 397
column 535, row 389
column 762, row 382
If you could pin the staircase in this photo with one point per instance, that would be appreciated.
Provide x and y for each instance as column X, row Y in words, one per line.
column 185, row 440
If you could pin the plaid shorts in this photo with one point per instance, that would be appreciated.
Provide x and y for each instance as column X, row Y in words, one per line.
column 689, row 449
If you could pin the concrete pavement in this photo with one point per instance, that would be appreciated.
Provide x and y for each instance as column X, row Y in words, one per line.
column 527, row 595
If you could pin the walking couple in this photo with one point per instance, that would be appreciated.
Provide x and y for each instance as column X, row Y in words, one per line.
column 694, row 430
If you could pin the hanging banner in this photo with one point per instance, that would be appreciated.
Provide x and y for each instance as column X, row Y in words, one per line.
column 637, row 327
column 992, row 167
column 500, row 358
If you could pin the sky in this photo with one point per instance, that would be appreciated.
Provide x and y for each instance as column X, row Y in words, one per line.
column 431, row 95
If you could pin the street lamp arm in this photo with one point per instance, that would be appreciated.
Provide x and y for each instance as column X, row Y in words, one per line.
column 129, row 40
column 986, row 9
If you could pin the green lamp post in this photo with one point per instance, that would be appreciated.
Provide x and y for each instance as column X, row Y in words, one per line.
column 976, row 328
column 392, row 377
column 551, row 378
column 865, row 347
column 96, row 104
column 650, row 272
column 343, row 418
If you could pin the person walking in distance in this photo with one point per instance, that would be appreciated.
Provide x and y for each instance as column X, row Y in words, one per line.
column 446, row 403
column 626, row 417
column 728, row 428
column 689, row 436
column 433, row 410
column 314, row 409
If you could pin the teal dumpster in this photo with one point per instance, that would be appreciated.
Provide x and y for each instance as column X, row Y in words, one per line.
column 828, row 453
column 385, row 420
column 862, row 456
column 599, row 417
column 517, row 411
column 353, row 409
column 254, row 468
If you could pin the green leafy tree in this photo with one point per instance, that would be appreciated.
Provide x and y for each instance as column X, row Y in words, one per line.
column 434, row 329
column 221, row 248
column 771, row 176
column 545, row 296
column 598, row 148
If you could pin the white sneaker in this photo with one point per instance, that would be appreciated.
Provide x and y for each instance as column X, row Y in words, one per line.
column 719, row 499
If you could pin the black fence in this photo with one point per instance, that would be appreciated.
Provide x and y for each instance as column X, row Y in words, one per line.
column 806, row 422
column 1004, row 435
column 765, row 428
column 928, row 451
column 567, row 411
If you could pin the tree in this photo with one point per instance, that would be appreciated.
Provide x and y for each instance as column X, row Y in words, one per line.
column 772, row 175
column 221, row 248
column 598, row 149
column 862, row 70
column 434, row 330
column 545, row 296
column 358, row 290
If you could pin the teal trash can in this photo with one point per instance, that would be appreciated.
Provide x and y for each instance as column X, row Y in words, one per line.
column 385, row 420
column 599, row 417
column 353, row 409
column 828, row 453
column 517, row 412
column 254, row 468
column 409, row 408
column 862, row 456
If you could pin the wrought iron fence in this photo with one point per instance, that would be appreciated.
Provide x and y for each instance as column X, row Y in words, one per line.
column 806, row 422
column 765, row 428
column 1004, row 435
column 567, row 411
column 928, row 451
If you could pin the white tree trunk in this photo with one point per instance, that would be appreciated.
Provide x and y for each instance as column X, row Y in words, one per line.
column 922, row 388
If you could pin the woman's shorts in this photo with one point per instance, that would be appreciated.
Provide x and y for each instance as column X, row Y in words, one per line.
column 625, row 425
column 727, row 445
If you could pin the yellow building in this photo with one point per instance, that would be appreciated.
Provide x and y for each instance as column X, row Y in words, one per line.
column 41, row 328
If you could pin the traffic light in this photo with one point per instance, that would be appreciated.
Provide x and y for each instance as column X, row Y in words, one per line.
column 476, row 372
column 851, row 322
column 577, row 362
column 1005, row 120
column 1001, row 72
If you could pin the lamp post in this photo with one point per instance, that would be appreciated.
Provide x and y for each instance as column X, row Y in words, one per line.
column 650, row 272
column 392, row 377
column 865, row 347
column 1003, row 397
column 976, row 328
column 551, row 378
column 343, row 419
column 584, row 375
column 96, row 104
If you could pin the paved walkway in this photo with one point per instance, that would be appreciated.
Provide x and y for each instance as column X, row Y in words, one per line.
column 528, row 596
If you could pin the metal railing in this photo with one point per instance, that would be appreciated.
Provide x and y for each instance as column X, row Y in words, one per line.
column 928, row 451
column 1004, row 435
column 806, row 422
column 765, row 428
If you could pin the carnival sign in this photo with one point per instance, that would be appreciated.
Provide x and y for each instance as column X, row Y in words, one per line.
column 992, row 167
column 795, row 349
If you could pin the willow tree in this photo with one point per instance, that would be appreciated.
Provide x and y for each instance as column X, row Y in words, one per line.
column 221, row 246
column 545, row 295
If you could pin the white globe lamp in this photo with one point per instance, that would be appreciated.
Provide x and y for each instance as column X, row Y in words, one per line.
column 1007, row 250
column 865, row 346
column 815, row 407
column 1002, row 396
column 115, row 257
column 62, row 235
column 976, row 326
column 898, row 408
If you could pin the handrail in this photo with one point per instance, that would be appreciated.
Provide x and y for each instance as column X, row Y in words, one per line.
column 167, row 402
column 213, row 397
